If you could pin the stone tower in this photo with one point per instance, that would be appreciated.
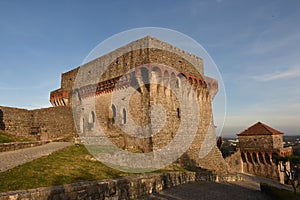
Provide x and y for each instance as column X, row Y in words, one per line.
column 121, row 92
column 258, row 145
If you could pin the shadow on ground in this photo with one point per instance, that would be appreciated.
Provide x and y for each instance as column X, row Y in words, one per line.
column 209, row 190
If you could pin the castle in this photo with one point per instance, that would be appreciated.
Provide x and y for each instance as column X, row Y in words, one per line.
column 258, row 145
column 154, row 73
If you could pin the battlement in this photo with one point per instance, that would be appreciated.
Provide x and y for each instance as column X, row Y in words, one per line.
column 118, row 62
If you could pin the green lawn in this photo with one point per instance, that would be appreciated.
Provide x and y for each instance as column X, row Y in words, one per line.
column 73, row 164
column 5, row 138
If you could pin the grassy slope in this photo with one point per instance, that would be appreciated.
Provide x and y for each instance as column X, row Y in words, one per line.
column 72, row 164
column 4, row 138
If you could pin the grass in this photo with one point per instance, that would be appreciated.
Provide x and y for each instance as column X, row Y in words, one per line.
column 73, row 164
column 5, row 138
column 279, row 194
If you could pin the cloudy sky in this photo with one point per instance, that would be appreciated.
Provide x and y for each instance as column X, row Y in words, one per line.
column 255, row 45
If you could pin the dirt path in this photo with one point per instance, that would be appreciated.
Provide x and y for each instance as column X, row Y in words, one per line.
column 11, row 159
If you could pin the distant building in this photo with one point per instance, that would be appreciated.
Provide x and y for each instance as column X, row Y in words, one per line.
column 258, row 146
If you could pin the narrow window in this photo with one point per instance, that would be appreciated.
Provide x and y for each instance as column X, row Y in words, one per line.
column 178, row 113
column 81, row 126
column 114, row 112
column 92, row 117
column 124, row 116
column 177, row 83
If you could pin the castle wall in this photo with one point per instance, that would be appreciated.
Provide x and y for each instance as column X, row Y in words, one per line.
column 235, row 162
column 137, row 127
column 68, row 78
column 16, row 121
column 41, row 124
column 260, row 142
column 257, row 155
column 118, row 63
column 257, row 163
column 142, row 100
column 277, row 141
column 54, row 123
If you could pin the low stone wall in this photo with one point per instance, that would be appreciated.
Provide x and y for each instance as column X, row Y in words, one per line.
column 20, row 145
column 235, row 162
column 123, row 188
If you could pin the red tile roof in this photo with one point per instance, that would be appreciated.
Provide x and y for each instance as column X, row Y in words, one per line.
column 259, row 129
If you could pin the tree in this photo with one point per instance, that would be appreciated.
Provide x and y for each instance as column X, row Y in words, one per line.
column 290, row 165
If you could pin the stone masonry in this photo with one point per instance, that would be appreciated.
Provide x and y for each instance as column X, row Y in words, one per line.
column 39, row 124
column 258, row 146
column 155, row 73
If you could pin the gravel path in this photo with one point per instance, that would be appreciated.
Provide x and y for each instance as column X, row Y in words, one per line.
column 11, row 159
column 247, row 190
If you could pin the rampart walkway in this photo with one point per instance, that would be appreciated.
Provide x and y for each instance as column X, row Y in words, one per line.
column 249, row 189
column 11, row 159
column 246, row 190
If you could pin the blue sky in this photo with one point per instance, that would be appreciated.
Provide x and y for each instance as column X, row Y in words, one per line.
column 255, row 44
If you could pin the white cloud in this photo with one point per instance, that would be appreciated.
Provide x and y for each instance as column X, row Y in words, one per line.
column 290, row 73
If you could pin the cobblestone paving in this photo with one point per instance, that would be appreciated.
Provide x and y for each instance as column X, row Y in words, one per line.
column 248, row 190
column 11, row 159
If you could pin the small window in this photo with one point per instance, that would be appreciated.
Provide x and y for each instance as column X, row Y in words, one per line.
column 254, row 139
column 114, row 111
column 92, row 117
column 178, row 113
column 124, row 116
column 177, row 83
column 81, row 125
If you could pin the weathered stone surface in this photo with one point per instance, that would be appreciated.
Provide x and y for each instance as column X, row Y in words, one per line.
column 20, row 145
column 175, row 75
column 40, row 124
column 123, row 188
column 258, row 145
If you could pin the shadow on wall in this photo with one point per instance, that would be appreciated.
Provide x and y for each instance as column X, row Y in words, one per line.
column 2, row 125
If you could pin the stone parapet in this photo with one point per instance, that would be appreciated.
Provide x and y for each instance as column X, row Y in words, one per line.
column 122, row 188
column 20, row 145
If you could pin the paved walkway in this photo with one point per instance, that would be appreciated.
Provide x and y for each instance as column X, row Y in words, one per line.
column 11, row 159
column 258, row 179
column 248, row 190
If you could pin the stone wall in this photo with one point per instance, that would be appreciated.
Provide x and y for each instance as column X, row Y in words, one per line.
column 123, row 188
column 235, row 162
column 121, row 60
column 17, row 122
column 125, row 125
column 40, row 124
column 256, row 163
column 261, row 143
column 20, row 145
column 55, row 123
